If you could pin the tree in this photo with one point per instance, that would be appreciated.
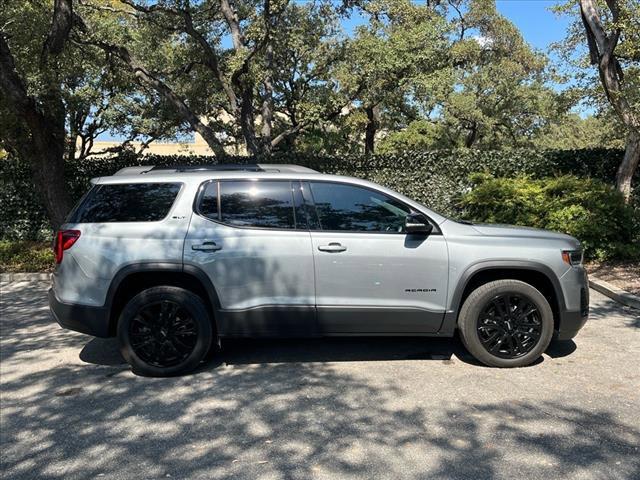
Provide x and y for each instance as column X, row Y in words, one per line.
column 493, row 93
column 612, row 29
column 219, row 63
column 59, row 95
column 403, row 45
column 499, row 94
column 33, row 117
column 574, row 132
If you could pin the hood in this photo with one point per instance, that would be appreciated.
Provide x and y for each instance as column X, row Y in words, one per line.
column 496, row 230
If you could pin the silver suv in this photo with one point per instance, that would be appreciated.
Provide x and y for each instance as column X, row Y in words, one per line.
column 171, row 260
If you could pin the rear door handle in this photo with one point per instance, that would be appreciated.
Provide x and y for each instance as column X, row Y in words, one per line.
column 207, row 247
column 332, row 247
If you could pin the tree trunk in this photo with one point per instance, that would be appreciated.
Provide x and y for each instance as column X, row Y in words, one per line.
column 49, row 140
column 267, row 103
column 472, row 136
column 629, row 164
column 373, row 122
column 43, row 123
column 59, row 30
column 48, row 177
column 247, row 121
column 602, row 45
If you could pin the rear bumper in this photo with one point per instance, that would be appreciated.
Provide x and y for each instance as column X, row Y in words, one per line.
column 81, row 318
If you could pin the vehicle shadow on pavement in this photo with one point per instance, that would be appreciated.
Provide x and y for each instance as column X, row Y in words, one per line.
column 101, row 351
column 255, row 351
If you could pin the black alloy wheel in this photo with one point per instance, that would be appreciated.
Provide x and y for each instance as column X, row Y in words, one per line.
column 163, row 334
column 509, row 325
column 506, row 323
column 165, row 331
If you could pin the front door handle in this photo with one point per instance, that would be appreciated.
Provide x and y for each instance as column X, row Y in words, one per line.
column 207, row 247
column 332, row 247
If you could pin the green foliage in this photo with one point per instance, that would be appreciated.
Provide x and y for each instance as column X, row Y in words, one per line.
column 516, row 201
column 80, row 86
column 499, row 95
column 402, row 47
column 586, row 208
column 25, row 256
column 418, row 136
column 574, row 132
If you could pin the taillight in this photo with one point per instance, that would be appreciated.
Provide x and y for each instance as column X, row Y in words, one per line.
column 64, row 240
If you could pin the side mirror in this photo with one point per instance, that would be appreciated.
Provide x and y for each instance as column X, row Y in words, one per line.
column 417, row 224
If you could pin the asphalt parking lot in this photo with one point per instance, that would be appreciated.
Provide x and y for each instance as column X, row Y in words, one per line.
column 342, row 408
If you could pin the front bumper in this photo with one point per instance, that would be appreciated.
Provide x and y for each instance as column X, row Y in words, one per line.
column 569, row 325
column 570, row 322
column 81, row 318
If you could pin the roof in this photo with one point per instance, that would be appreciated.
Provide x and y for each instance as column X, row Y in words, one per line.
column 222, row 167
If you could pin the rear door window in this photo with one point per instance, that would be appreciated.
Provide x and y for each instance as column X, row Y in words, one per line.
column 132, row 202
column 262, row 204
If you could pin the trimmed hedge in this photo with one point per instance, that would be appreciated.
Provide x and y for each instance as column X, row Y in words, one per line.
column 435, row 178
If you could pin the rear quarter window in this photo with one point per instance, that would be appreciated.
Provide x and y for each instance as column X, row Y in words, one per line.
column 131, row 202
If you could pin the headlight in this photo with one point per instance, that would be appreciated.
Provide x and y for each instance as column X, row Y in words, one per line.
column 572, row 257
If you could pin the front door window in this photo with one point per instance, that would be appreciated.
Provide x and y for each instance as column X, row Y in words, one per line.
column 350, row 208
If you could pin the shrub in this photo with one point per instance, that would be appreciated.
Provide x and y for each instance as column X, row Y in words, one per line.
column 585, row 208
column 23, row 256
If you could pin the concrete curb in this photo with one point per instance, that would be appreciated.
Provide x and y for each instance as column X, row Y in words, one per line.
column 617, row 294
column 24, row 277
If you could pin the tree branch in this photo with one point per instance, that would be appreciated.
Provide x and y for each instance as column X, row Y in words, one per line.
column 60, row 27
column 211, row 60
column 11, row 83
column 147, row 78
column 233, row 22
column 591, row 19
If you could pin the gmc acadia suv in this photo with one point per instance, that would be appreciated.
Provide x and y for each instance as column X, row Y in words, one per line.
column 170, row 260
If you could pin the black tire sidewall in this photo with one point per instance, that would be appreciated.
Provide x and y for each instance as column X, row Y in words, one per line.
column 187, row 300
column 478, row 299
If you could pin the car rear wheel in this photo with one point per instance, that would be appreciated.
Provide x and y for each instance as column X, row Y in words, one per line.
column 164, row 331
column 506, row 323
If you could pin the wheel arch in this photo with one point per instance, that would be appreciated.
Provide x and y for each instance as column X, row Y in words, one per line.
column 536, row 274
column 133, row 278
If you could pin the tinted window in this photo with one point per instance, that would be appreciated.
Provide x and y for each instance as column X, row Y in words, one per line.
column 257, row 204
column 356, row 209
column 134, row 202
column 209, row 201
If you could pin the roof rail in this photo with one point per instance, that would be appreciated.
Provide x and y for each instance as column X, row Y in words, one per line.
column 220, row 167
column 132, row 170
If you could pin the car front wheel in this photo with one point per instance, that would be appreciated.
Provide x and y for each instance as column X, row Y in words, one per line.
column 506, row 323
column 164, row 331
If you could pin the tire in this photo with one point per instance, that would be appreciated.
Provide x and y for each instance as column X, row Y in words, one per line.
column 165, row 331
column 495, row 329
